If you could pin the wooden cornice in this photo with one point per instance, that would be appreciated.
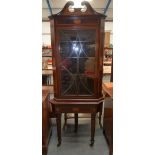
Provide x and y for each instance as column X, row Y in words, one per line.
column 77, row 11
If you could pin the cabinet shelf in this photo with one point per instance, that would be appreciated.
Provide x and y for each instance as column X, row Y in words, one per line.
column 47, row 73
column 47, row 69
column 47, row 56
column 107, row 63
column 48, row 85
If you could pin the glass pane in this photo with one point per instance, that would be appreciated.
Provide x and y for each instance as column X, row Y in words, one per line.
column 86, row 86
column 77, row 66
column 69, row 64
column 87, row 66
column 68, row 85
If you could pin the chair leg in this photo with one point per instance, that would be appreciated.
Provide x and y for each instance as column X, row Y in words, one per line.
column 65, row 120
column 76, row 122
column 100, row 114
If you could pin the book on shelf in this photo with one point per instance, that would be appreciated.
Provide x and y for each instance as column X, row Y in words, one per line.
column 47, row 80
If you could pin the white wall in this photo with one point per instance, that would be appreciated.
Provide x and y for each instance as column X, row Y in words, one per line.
column 109, row 28
column 46, row 39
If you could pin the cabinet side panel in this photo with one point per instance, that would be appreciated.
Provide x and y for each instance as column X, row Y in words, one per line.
column 52, row 29
column 101, row 54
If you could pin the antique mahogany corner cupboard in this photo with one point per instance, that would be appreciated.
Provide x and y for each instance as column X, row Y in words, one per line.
column 77, row 40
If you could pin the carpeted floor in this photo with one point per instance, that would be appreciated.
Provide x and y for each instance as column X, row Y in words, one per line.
column 78, row 143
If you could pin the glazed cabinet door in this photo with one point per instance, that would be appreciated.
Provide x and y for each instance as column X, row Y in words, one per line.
column 77, row 62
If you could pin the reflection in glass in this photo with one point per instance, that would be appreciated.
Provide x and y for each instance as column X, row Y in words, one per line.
column 77, row 54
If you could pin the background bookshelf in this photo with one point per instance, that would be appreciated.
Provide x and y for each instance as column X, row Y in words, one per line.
column 47, row 71
column 108, row 65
